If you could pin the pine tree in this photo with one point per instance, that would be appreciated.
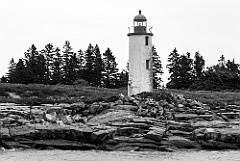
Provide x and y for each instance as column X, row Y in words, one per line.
column 173, row 68
column 73, row 68
column 185, row 71
column 11, row 76
column 180, row 67
column 89, row 58
column 199, row 64
column 3, row 79
column 57, row 75
column 98, row 67
column 66, row 62
column 21, row 73
column 157, row 68
column 81, row 65
column 110, row 69
column 48, row 53
column 35, row 65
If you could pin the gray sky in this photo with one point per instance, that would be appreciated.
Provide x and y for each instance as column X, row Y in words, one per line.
column 211, row 27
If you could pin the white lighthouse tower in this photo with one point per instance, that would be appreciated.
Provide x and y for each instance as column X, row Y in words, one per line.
column 140, row 56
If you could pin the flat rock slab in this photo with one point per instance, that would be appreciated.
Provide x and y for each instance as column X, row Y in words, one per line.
column 113, row 116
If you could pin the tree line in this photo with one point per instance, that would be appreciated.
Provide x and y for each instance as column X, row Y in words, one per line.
column 55, row 66
column 52, row 65
column 188, row 73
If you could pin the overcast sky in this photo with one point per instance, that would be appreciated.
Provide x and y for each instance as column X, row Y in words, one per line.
column 211, row 27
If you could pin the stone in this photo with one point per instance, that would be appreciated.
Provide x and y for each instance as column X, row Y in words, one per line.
column 127, row 131
column 184, row 116
column 156, row 135
column 101, row 135
column 50, row 118
column 180, row 106
column 67, row 119
column 78, row 106
column 126, row 107
column 79, row 118
column 210, row 134
column 180, row 142
column 179, row 133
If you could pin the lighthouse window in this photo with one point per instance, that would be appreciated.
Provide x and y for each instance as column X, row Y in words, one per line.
column 146, row 40
column 147, row 64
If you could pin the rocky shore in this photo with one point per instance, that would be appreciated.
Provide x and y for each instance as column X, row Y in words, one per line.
column 137, row 123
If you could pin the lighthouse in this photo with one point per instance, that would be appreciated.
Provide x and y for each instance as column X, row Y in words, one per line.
column 140, row 56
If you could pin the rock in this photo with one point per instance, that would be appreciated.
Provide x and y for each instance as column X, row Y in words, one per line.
column 78, row 106
column 198, row 134
column 179, row 133
column 216, row 145
column 78, row 118
column 184, row 116
column 126, row 107
column 180, row 142
column 210, row 134
column 231, row 115
column 127, row 131
column 173, row 125
column 180, row 106
column 62, row 144
column 101, row 135
column 60, row 112
column 229, row 135
column 156, row 135
column 67, row 120
column 113, row 116
column 50, row 118
column 5, row 133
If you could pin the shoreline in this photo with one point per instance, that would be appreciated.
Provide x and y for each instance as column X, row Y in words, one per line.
column 127, row 124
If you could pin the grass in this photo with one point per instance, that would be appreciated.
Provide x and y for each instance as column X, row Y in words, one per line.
column 210, row 97
column 39, row 93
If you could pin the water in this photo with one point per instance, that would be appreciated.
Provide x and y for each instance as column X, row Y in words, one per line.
column 60, row 155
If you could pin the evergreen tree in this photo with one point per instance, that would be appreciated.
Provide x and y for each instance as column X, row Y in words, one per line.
column 185, row 71
column 110, row 69
column 11, row 76
column 173, row 68
column 48, row 53
column 3, row 79
column 21, row 73
column 173, row 59
column 35, row 65
column 98, row 67
column 57, row 76
column 82, row 63
column 123, row 78
column 73, row 68
column 198, row 65
column 89, row 58
column 66, row 62
column 181, row 70
column 232, row 67
column 157, row 68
